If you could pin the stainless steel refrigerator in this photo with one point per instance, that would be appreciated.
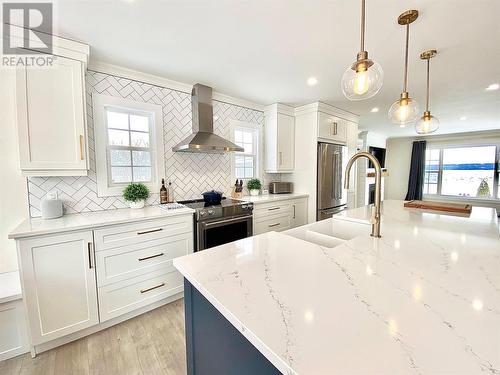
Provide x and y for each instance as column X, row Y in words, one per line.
column 332, row 198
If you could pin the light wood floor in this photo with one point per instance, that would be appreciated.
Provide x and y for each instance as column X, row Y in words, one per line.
column 150, row 344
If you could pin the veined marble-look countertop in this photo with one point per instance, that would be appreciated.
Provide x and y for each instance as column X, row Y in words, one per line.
column 423, row 299
column 88, row 220
column 267, row 198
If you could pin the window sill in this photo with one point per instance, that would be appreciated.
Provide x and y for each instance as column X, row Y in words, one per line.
column 437, row 197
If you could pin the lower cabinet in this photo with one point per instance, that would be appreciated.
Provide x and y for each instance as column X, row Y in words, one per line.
column 76, row 280
column 279, row 216
column 59, row 284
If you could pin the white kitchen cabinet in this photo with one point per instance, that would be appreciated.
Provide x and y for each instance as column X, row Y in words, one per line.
column 299, row 212
column 279, row 216
column 59, row 284
column 279, row 139
column 51, row 119
column 332, row 128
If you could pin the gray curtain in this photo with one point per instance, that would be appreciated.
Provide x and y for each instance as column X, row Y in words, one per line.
column 417, row 169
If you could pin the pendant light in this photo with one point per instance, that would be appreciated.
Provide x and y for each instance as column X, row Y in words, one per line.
column 405, row 110
column 364, row 78
column 427, row 123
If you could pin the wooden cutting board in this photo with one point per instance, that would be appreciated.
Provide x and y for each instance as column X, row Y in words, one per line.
column 440, row 206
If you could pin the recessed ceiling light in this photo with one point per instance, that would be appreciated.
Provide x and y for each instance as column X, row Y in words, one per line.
column 493, row 86
column 311, row 81
column 374, row 109
column 463, row 118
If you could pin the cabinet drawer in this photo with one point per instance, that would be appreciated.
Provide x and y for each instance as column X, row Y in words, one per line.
column 129, row 234
column 267, row 209
column 125, row 296
column 276, row 223
column 122, row 263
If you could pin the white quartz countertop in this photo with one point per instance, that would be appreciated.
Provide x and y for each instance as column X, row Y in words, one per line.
column 273, row 197
column 38, row 226
column 423, row 299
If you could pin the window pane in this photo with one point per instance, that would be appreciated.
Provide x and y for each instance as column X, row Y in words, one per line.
column 240, row 172
column 117, row 120
column 118, row 137
column 121, row 174
column 140, row 123
column 141, row 158
column 248, row 162
column 248, row 148
column 468, row 171
column 434, row 154
column 248, row 172
column 120, row 157
column 142, row 174
column 139, row 139
column 238, row 136
column 247, row 137
column 432, row 189
column 239, row 161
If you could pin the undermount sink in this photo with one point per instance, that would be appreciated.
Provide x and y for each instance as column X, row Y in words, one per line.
column 330, row 233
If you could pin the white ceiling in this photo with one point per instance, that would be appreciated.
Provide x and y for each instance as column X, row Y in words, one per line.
column 264, row 50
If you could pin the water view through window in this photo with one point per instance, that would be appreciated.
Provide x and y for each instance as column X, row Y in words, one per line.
column 468, row 172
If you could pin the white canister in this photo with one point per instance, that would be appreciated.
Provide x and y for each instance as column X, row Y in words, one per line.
column 51, row 206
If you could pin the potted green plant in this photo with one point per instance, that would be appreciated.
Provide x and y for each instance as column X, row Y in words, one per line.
column 254, row 185
column 136, row 195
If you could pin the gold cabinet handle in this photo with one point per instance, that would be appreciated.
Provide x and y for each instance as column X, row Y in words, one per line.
column 273, row 225
column 90, row 253
column 152, row 288
column 273, row 208
column 81, row 147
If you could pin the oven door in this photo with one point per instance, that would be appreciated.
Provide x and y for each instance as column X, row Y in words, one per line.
column 218, row 232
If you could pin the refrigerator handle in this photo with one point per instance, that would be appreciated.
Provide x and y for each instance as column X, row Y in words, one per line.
column 335, row 157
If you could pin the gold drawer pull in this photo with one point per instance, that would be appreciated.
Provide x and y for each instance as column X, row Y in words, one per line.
column 150, row 257
column 273, row 225
column 151, row 231
column 81, row 147
column 153, row 287
column 273, row 209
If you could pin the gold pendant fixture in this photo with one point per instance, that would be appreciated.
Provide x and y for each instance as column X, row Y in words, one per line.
column 364, row 78
column 405, row 110
column 427, row 123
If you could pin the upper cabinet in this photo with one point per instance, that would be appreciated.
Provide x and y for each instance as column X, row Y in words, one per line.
column 51, row 115
column 332, row 128
column 279, row 139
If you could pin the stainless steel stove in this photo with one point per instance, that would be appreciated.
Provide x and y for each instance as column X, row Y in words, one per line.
column 217, row 224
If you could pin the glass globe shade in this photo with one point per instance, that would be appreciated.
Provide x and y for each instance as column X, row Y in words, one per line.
column 404, row 111
column 362, row 84
column 427, row 124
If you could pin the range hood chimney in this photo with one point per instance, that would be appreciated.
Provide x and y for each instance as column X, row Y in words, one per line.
column 203, row 138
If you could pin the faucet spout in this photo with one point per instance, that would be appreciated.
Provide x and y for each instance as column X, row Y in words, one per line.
column 376, row 215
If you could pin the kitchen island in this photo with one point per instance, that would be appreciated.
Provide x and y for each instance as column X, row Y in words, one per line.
column 423, row 299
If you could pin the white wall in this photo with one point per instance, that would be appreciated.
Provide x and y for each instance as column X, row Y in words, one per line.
column 13, row 194
column 398, row 159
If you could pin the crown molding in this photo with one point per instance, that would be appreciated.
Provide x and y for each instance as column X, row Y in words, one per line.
column 155, row 80
column 328, row 109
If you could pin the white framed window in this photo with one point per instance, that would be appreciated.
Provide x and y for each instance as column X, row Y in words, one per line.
column 246, row 164
column 129, row 145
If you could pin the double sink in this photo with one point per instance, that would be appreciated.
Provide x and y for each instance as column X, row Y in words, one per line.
column 330, row 232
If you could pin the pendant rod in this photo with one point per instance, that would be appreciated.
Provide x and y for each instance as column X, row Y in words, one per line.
column 362, row 25
column 428, row 85
column 405, row 85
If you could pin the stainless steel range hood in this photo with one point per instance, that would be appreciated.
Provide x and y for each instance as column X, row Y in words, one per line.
column 203, row 138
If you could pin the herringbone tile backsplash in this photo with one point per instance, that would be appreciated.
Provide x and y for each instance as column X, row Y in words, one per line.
column 191, row 174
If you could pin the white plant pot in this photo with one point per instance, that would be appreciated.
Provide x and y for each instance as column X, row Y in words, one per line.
column 136, row 205
column 254, row 192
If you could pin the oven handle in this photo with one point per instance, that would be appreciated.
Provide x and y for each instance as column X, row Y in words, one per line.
column 227, row 221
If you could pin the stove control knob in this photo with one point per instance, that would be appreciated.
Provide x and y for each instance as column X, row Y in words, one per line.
column 203, row 213
column 211, row 212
